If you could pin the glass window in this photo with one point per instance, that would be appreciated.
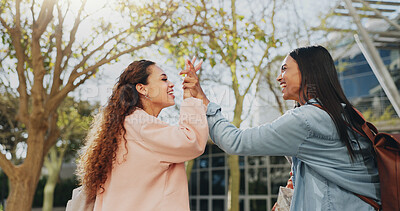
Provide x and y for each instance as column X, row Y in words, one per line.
column 278, row 160
column 273, row 201
column 279, row 177
column 256, row 160
column 218, row 205
column 258, row 204
column 193, row 183
column 193, row 203
column 242, row 181
column 195, row 164
column 203, row 204
column 218, row 161
column 204, row 183
column 203, row 162
column 208, row 183
column 218, row 182
column 241, row 161
column 257, row 181
column 206, row 150
column 215, row 149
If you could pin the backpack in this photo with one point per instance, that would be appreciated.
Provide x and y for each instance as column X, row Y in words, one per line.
column 387, row 154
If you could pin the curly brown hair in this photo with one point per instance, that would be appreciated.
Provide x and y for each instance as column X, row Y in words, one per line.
column 100, row 150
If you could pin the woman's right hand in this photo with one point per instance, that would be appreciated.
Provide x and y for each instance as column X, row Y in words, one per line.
column 191, row 85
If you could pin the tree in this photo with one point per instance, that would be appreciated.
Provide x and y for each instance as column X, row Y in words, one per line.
column 41, row 47
column 242, row 44
column 269, row 77
column 228, row 46
column 12, row 134
column 74, row 121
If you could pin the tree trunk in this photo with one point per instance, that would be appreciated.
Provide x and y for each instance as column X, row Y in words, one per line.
column 189, row 167
column 52, row 162
column 48, row 196
column 26, row 176
column 234, row 183
column 233, row 161
column 22, row 192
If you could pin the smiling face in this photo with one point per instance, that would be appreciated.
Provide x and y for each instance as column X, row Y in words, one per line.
column 159, row 90
column 290, row 79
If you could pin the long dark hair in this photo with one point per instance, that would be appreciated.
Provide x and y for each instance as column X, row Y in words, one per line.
column 319, row 80
column 100, row 150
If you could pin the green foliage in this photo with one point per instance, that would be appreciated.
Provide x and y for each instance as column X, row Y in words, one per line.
column 372, row 116
column 74, row 118
column 342, row 66
column 229, row 39
column 62, row 193
column 11, row 131
column 3, row 187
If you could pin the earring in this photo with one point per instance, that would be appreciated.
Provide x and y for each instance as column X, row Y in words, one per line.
column 147, row 96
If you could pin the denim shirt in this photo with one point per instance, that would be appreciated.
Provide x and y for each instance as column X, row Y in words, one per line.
column 324, row 176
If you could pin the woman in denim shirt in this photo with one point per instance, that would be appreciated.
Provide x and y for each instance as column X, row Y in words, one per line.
column 331, row 162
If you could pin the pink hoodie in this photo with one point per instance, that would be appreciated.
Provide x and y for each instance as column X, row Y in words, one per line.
column 149, row 173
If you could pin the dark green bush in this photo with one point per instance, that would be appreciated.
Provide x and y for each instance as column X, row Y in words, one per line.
column 62, row 193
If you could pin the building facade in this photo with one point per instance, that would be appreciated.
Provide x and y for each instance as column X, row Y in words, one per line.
column 260, row 179
column 360, row 83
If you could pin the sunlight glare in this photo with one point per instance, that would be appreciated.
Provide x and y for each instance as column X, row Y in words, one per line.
column 8, row 155
column 91, row 5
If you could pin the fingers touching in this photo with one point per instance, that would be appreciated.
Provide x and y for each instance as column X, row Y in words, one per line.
column 189, row 66
column 197, row 67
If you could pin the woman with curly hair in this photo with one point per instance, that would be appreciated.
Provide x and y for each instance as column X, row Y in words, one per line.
column 134, row 161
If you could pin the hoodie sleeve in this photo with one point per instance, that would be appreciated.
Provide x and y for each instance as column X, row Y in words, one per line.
column 281, row 137
column 176, row 144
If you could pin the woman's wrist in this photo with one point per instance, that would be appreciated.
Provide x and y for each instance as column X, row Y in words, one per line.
column 204, row 98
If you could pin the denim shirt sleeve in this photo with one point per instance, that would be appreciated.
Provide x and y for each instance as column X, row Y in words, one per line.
column 281, row 137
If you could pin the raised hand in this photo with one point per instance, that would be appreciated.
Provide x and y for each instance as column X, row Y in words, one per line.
column 189, row 65
column 190, row 77
column 191, row 85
